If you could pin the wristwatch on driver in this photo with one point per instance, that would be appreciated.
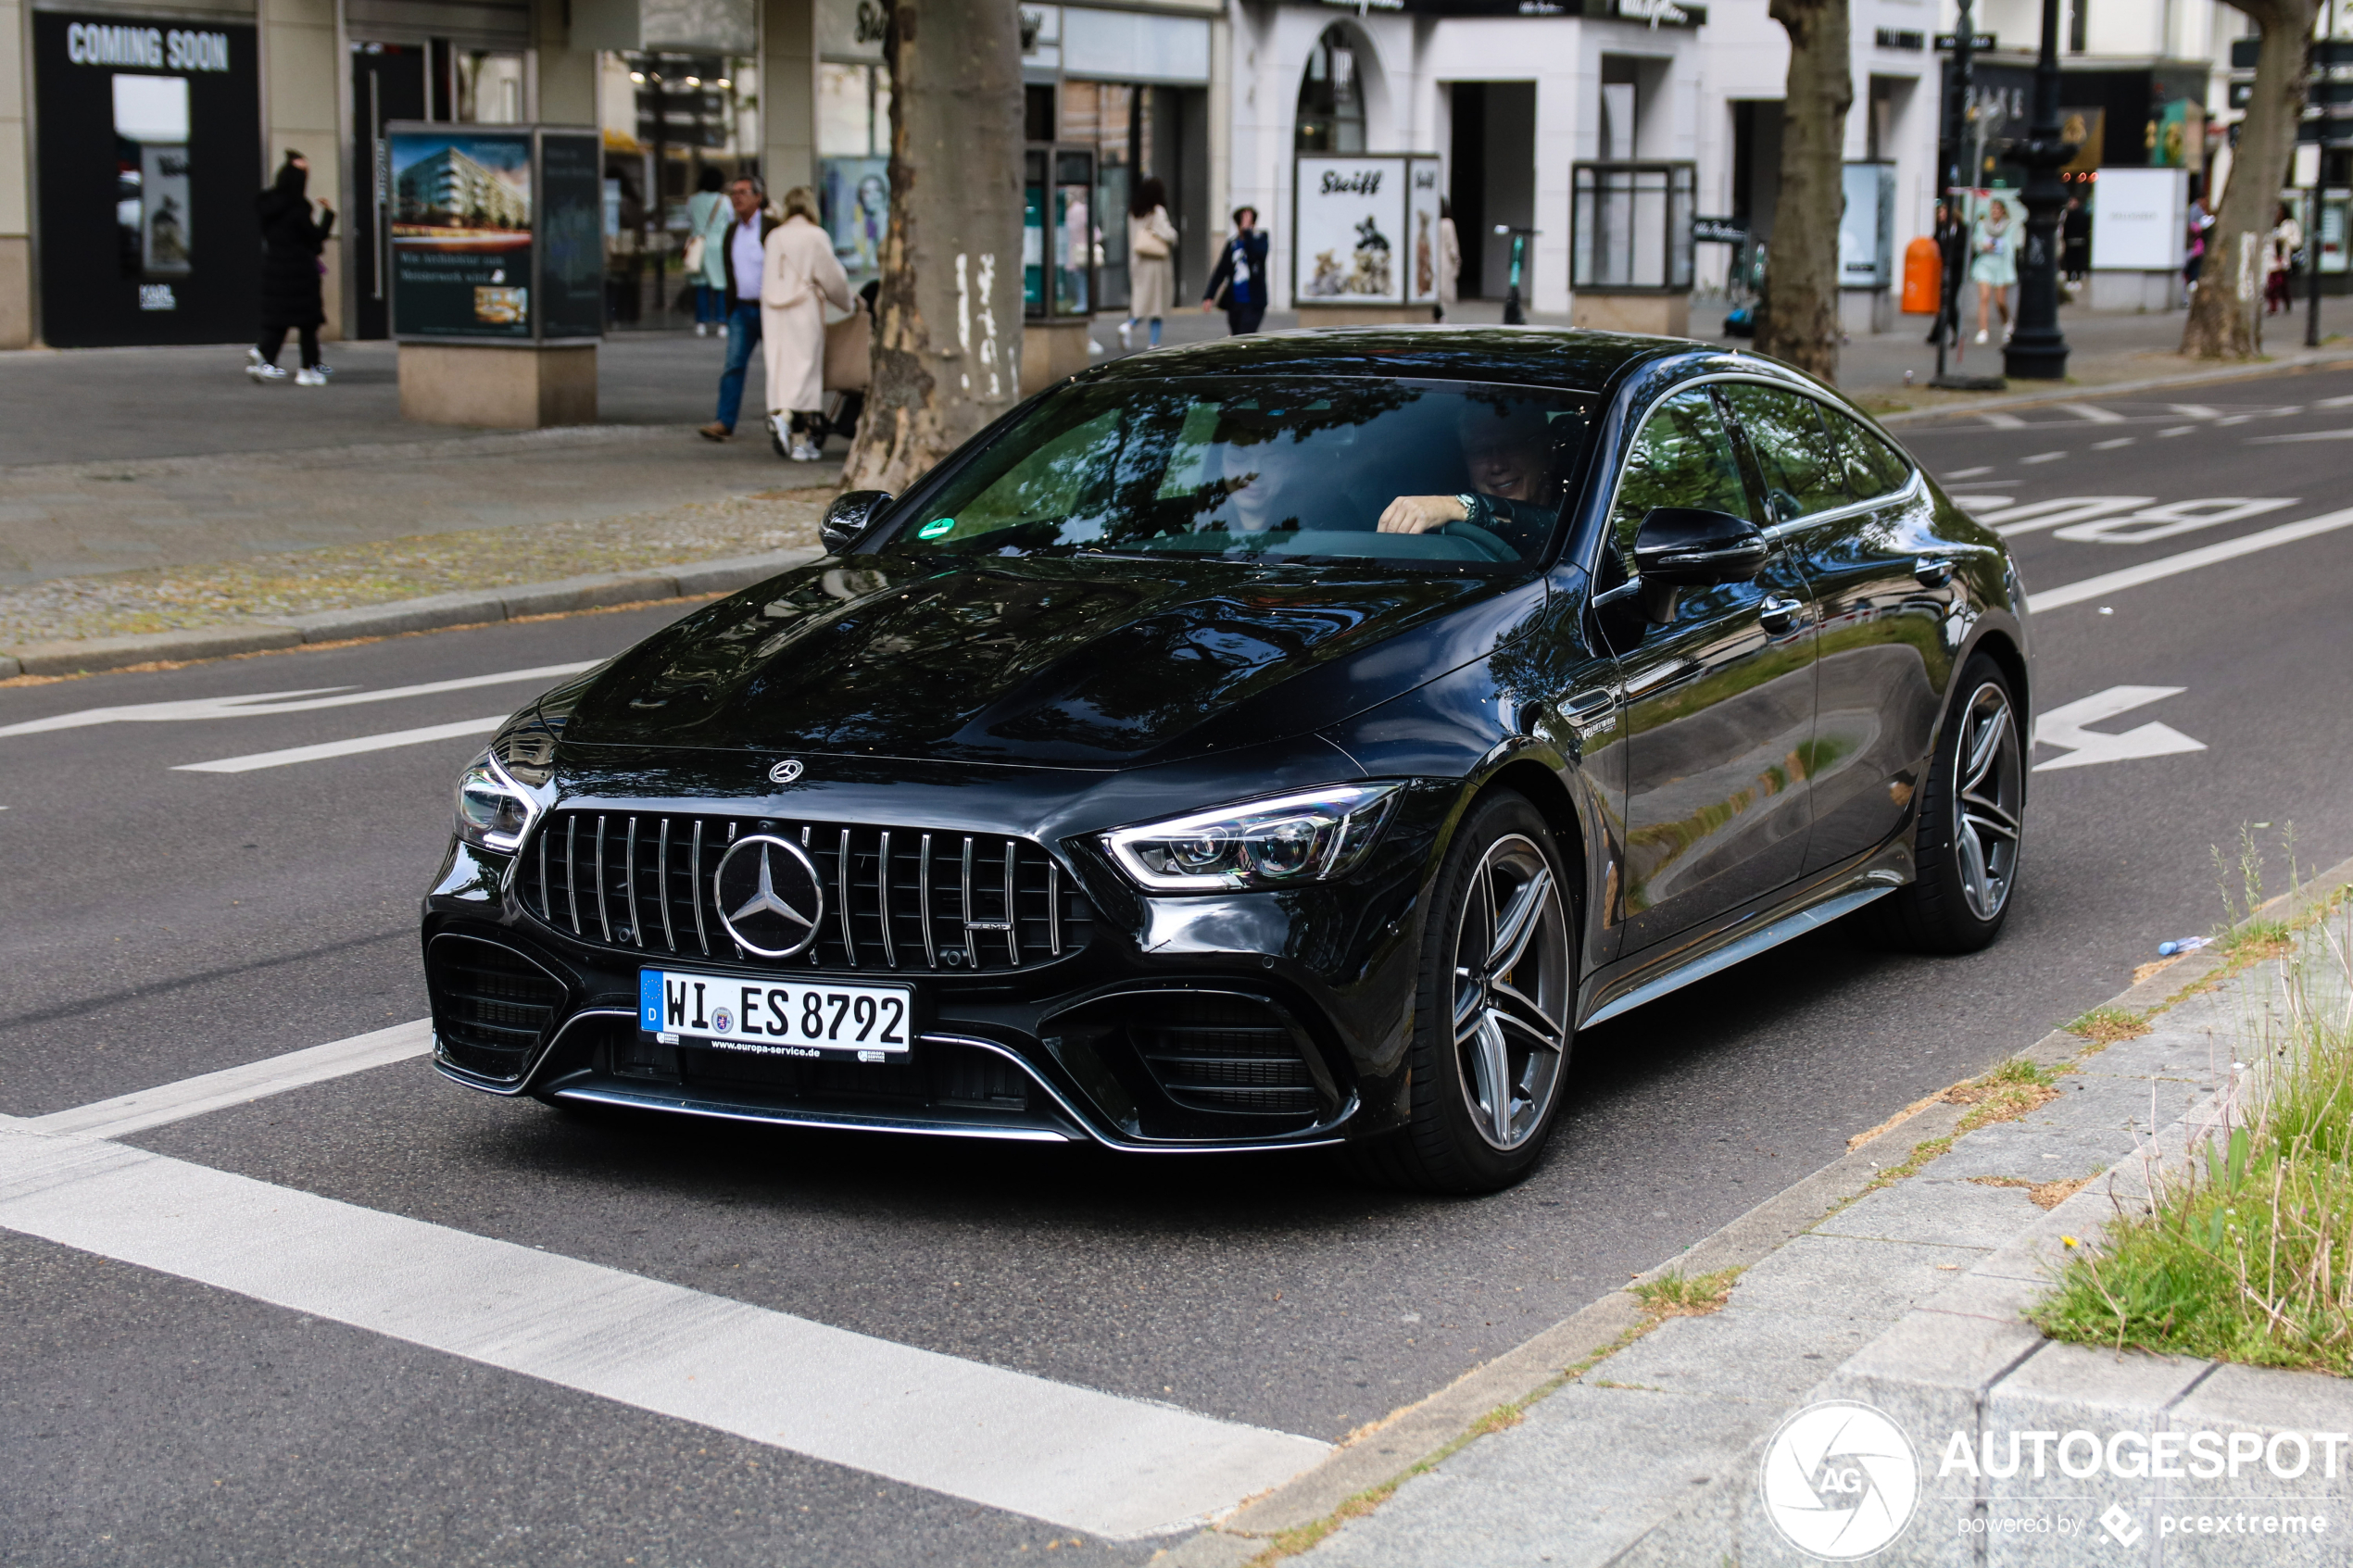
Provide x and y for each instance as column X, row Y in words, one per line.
column 1471, row 504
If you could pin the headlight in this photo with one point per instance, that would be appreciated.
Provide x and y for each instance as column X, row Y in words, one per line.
column 1283, row 842
column 493, row 812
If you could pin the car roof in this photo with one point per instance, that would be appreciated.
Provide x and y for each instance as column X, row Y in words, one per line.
column 1557, row 356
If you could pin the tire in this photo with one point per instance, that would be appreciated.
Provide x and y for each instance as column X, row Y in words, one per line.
column 1485, row 1008
column 1966, row 843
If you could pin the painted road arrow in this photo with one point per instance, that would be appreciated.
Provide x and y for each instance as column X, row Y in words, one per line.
column 2064, row 727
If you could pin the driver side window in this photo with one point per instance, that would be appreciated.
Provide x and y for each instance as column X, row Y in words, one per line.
column 1681, row 457
column 1801, row 468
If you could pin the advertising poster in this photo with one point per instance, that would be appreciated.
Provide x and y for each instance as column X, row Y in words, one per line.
column 462, row 232
column 853, row 198
column 1423, row 188
column 1347, row 239
column 571, row 267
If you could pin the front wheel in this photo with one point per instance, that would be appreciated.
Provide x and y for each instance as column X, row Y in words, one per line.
column 1491, row 1013
column 1965, row 845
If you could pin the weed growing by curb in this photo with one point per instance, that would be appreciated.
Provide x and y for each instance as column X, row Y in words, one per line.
column 1680, row 1296
column 2105, row 1026
column 2004, row 1094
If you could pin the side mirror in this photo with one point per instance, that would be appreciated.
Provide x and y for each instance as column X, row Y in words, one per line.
column 1688, row 547
column 851, row 515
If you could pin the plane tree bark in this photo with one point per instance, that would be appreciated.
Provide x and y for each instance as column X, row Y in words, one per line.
column 2226, row 313
column 948, row 319
column 1798, row 322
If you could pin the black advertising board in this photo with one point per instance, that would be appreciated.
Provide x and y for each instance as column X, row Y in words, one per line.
column 150, row 159
column 495, row 232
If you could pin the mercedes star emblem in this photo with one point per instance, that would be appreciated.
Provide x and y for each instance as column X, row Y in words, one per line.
column 769, row 895
column 785, row 772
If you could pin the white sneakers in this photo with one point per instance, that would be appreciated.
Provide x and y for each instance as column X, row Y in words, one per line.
column 803, row 452
column 1981, row 335
column 261, row 372
column 1127, row 335
column 312, row 375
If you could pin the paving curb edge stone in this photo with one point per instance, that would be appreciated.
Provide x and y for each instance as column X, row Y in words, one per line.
column 434, row 612
column 1414, row 1433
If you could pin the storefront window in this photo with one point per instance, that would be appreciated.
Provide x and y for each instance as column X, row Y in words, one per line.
column 853, row 163
column 1331, row 102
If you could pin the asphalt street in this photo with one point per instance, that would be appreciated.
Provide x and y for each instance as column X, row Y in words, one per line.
column 166, row 922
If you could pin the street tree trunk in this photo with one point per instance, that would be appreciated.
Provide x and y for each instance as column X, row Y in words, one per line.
column 1799, row 320
column 2226, row 314
column 947, row 321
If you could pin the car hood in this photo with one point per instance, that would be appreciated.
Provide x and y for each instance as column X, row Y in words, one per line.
column 1086, row 664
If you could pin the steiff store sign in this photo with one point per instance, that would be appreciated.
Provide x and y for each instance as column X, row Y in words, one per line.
column 150, row 159
column 1365, row 229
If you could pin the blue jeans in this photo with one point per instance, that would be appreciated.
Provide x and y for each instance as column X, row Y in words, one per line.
column 743, row 336
column 709, row 308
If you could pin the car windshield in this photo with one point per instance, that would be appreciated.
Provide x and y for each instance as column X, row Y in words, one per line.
column 1450, row 475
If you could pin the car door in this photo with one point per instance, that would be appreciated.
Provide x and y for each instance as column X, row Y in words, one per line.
column 1718, row 702
column 1880, row 600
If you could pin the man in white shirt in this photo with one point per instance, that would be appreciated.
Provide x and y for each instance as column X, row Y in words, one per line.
column 744, row 249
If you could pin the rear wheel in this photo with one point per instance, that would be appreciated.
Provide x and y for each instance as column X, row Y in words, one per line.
column 1966, row 845
column 1491, row 1011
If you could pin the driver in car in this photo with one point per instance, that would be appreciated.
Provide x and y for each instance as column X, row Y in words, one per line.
column 1509, row 457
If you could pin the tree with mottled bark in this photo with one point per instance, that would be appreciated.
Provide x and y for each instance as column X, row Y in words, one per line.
column 2226, row 313
column 948, row 319
column 1798, row 318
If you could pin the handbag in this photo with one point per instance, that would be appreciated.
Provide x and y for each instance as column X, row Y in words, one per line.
column 1149, row 247
column 693, row 258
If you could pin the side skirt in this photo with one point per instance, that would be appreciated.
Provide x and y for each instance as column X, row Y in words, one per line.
column 1739, row 946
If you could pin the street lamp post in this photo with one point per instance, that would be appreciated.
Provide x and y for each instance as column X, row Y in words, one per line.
column 2037, row 350
column 1957, row 159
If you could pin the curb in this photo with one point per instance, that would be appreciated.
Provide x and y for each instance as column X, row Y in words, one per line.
column 488, row 443
column 2307, row 361
column 434, row 613
column 1984, row 1301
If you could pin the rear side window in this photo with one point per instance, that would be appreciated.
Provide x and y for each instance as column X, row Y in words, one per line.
column 1800, row 467
column 1873, row 468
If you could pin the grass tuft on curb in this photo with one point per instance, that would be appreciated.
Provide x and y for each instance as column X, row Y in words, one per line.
column 2004, row 1094
column 1681, row 1296
column 2105, row 1026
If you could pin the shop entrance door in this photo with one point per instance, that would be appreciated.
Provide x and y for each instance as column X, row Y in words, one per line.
column 387, row 83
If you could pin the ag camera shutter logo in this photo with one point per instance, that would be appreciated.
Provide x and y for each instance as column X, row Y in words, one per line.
column 1840, row 1480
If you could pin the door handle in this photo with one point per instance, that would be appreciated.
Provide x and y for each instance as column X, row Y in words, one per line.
column 1932, row 572
column 1588, row 707
column 1777, row 614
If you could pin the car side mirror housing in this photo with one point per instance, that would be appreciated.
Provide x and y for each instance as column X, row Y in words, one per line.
column 849, row 517
column 1690, row 546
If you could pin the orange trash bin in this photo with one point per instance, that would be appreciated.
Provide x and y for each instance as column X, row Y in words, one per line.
column 1923, row 277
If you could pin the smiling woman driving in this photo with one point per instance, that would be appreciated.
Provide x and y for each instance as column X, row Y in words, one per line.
column 1334, row 468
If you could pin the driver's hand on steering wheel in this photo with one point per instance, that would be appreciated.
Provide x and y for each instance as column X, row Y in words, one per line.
column 1421, row 514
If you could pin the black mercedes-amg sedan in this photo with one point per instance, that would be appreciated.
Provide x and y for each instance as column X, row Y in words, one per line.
column 1289, row 741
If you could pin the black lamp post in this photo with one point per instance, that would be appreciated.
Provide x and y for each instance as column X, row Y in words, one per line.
column 2037, row 350
column 1956, row 173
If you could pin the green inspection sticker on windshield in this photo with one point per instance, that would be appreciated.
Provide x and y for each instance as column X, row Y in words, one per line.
column 936, row 527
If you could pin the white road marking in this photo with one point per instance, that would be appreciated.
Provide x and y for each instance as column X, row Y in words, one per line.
column 2042, row 458
column 2093, row 413
column 2032, row 517
column 1967, row 473
column 2063, row 726
column 344, row 748
column 125, row 1114
column 2152, row 523
column 2334, row 402
column 2177, row 430
column 2002, row 421
column 2188, row 561
column 246, row 707
column 2300, row 435
column 1076, row 1457
column 2112, row 445
column 2195, row 410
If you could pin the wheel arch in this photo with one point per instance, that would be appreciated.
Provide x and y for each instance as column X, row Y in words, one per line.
column 1541, row 788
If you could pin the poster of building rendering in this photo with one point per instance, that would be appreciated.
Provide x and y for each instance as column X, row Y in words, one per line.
column 462, row 232
column 1348, row 243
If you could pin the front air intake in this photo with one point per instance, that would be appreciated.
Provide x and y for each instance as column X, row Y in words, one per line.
column 491, row 1006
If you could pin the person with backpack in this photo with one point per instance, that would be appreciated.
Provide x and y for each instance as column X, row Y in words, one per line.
column 1239, row 283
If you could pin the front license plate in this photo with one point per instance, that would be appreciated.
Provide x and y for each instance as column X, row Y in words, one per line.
column 821, row 1020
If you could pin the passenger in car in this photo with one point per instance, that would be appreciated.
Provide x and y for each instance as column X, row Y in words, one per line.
column 1508, row 455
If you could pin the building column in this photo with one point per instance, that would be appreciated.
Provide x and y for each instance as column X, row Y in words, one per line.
column 565, row 77
column 302, row 73
column 788, row 95
column 15, row 183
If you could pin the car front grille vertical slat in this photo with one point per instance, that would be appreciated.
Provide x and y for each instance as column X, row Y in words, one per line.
column 897, row 900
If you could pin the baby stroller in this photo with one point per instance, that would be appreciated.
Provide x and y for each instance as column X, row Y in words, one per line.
column 849, row 350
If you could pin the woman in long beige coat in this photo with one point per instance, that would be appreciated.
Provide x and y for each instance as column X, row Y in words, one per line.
column 1151, row 266
column 802, row 276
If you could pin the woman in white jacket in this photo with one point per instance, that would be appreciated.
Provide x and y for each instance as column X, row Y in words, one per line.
column 801, row 277
column 1152, row 251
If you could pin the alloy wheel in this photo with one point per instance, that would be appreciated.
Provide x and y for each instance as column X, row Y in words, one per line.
column 1511, row 992
column 1989, row 784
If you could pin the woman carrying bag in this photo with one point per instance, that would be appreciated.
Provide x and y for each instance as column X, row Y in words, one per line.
column 802, row 276
column 1152, row 250
column 707, row 221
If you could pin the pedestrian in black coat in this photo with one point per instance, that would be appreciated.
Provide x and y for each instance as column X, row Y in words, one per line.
column 290, row 273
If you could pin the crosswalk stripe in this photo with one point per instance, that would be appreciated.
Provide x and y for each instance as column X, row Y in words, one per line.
column 2000, row 420
column 344, row 748
column 2195, row 410
column 2093, row 413
column 2188, row 561
column 1116, row 1467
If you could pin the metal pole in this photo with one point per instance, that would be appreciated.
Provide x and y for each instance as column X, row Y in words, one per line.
column 1956, row 243
column 2037, row 350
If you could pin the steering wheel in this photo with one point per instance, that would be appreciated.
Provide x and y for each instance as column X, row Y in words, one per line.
column 1489, row 544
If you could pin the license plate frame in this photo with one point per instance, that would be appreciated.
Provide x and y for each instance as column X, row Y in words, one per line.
column 740, row 1014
